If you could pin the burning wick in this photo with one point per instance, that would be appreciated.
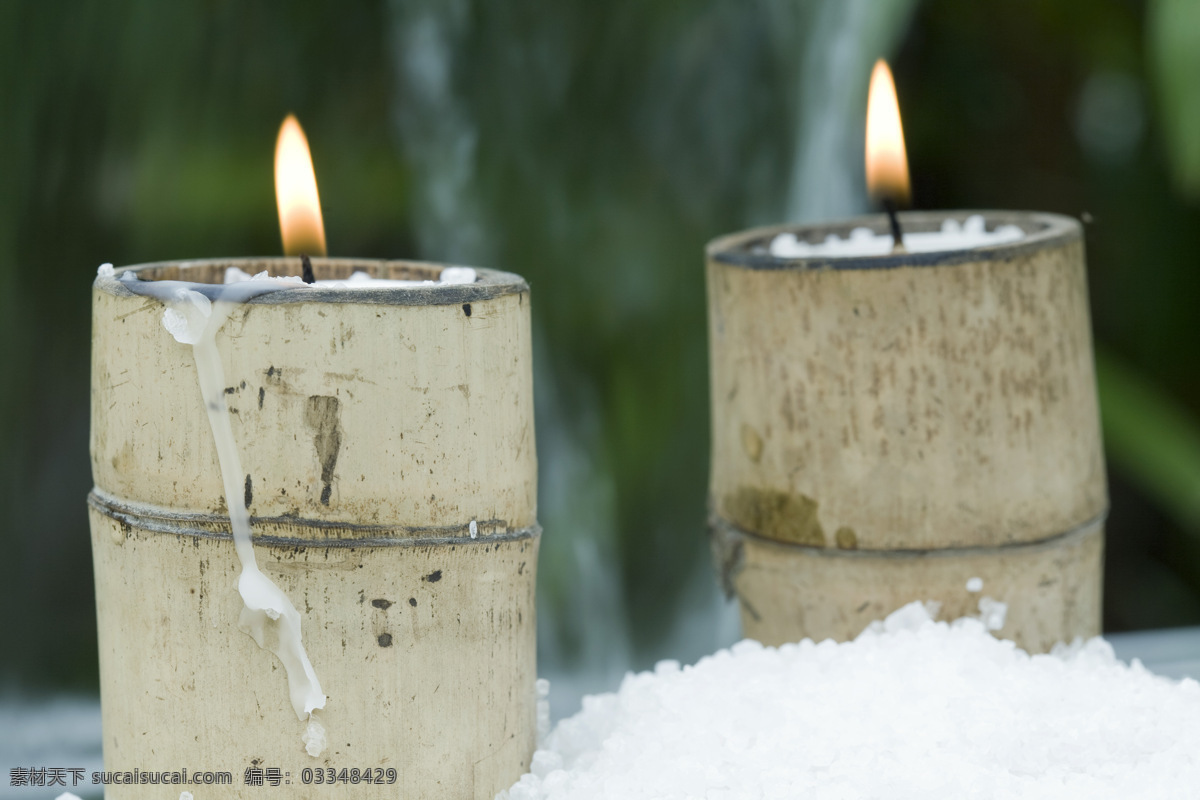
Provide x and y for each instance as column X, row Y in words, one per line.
column 887, row 161
column 306, row 273
column 889, row 205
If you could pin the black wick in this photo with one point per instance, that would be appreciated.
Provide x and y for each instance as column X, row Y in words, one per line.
column 306, row 269
column 889, row 205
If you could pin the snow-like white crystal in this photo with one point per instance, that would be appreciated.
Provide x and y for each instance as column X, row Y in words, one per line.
column 992, row 613
column 357, row 280
column 865, row 242
column 238, row 275
column 457, row 275
column 106, row 270
column 975, row 584
column 912, row 708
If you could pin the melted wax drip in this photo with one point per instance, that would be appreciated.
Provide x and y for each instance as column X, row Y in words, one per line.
column 194, row 314
column 268, row 615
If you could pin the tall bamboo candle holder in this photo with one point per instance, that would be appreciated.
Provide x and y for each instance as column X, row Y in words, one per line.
column 388, row 442
column 886, row 428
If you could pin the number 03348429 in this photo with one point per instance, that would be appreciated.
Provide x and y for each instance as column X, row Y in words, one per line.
column 355, row 775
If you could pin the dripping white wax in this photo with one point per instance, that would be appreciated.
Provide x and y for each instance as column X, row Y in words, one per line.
column 268, row 615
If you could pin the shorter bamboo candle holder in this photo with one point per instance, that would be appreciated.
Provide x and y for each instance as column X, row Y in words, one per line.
column 388, row 441
column 886, row 428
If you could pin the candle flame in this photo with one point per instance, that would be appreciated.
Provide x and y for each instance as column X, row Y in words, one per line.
column 887, row 161
column 296, row 193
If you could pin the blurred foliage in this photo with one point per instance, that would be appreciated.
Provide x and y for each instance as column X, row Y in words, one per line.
column 1174, row 49
column 1156, row 443
column 841, row 42
column 593, row 148
column 1154, row 438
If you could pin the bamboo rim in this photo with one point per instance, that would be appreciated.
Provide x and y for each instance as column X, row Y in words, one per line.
column 489, row 283
column 748, row 249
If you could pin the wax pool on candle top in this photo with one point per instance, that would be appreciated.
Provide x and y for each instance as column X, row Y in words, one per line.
column 865, row 242
column 359, row 279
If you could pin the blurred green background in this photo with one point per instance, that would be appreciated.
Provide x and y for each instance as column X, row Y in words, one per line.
column 593, row 148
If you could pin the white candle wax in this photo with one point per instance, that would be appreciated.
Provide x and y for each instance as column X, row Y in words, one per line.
column 194, row 314
column 268, row 616
column 358, row 280
column 865, row 242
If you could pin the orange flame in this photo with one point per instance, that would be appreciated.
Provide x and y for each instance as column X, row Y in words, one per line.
column 887, row 161
column 296, row 193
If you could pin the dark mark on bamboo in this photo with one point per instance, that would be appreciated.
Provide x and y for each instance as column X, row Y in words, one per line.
column 412, row 601
column 322, row 415
column 434, row 576
column 381, row 603
column 249, row 491
column 782, row 516
column 846, row 538
column 385, row 640
column 262, row 392
column 728, row 555
column 466, row 309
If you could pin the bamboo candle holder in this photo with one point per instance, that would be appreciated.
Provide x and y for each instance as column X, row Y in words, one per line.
column 388, row 441
column 886, row 428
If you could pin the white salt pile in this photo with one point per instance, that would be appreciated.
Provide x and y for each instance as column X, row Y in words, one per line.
column 911, row 709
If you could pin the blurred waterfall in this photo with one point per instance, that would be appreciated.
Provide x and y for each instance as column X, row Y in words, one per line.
column 437, row 130
column 840, row 47
column 594, row 149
